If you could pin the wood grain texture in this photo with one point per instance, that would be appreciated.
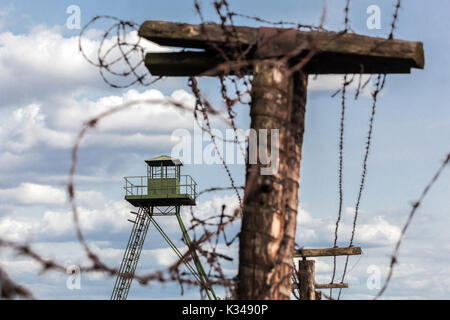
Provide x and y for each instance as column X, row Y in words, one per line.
column 270, row 201
column 327, row 252
column 332, row 286
column 338, row 53
column 306, row 275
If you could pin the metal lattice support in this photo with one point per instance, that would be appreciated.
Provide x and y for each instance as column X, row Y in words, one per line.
column 200, row 270
column 132, row 253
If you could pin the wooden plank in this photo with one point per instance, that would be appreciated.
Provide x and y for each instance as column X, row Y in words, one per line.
column 332, row 286
column 327, row 252
column 183, row 64
column 337, row 52
column 186, row 35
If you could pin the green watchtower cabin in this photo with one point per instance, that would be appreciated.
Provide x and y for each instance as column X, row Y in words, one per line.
column 161, row 192
column 163, row 186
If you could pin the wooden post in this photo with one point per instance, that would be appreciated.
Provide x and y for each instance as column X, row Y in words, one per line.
column 271, row 201
column 306, row 279
column 278, row 102
column 318, row 295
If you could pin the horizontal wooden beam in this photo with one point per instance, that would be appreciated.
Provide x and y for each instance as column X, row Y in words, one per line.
column 332, row 286
column 327, row 252
column 182, row 64
column 337, row 53
column 184, row 35
column 329, row 286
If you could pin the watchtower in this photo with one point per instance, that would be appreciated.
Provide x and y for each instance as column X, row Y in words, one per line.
column 163, row 186
column 161, row 192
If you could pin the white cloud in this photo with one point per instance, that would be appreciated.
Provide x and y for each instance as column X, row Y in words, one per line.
column 30, row 193
column 379, row 232
column 165, row 256
column 139, row 117
column 43, row 63
column 334, row 83
column 308, row 228
column 373, row 231
column 112, row 218
column 97, row 215
column 29, row 127
column 15, row 229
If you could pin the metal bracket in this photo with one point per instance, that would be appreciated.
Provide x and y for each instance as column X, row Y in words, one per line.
column 275, row 42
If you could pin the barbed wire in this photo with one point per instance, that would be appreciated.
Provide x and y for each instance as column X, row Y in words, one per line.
column 9, row 289
column 115, row 50
column 346, row 16
column 394, row 19
column 121, row 47
column 414, row 206
column 378, row 87
column 345, row 83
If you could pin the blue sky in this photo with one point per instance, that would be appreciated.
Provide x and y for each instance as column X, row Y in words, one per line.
column 47, row 90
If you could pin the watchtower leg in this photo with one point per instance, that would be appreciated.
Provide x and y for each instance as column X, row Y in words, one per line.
column 198, row 264
column 271, row 201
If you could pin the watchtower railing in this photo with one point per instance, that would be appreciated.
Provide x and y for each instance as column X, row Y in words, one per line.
column 138, row 186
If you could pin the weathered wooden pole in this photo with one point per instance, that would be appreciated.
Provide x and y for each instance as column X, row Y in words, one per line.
column 278, row 102
column 306, row 275
column 318, row 295
column 271, row 201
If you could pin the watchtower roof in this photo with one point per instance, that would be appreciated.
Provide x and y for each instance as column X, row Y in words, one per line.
column 163, row 161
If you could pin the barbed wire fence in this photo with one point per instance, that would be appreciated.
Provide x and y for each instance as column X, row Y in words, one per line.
column 121, row 65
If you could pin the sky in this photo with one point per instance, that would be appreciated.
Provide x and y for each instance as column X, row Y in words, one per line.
column 48, row 90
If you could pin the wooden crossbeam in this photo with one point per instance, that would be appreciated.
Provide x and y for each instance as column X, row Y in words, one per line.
column 332, row 286
column 337, row 53
column 327, row 252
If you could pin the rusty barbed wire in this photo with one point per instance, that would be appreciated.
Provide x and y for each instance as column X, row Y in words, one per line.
column 394, row 19
column 9, row 289
column 345, row 83
column 346, row 16
column 123, row 53
column 378, row 88
column 123, row 48
column 414, row 206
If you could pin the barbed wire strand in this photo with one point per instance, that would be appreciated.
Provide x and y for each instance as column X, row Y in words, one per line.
column 414, row 206
column 378, row 88
column 235, row 59
column 345, row 83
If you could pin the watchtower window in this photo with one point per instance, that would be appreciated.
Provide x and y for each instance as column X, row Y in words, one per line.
column 163, row 172
column 163, row 185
